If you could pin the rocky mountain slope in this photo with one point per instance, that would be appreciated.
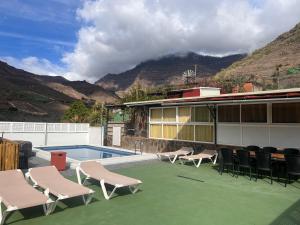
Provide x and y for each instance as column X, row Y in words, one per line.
column 280, row 57
column 166, row 70
column 29, row 97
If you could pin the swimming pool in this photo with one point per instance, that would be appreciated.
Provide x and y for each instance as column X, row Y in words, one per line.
column 87, row 152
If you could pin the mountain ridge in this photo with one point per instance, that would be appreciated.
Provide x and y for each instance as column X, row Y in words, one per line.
column 29, row 97
column 274, row 59
column 166, row 70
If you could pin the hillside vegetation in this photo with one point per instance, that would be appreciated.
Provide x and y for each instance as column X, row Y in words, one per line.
column 277, row 65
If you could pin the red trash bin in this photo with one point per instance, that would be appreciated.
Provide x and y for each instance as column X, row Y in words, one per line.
column 58, row 159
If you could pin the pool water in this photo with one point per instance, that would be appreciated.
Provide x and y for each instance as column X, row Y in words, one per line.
column 87, row 152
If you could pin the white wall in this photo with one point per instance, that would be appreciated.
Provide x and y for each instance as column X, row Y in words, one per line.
column 229, row 134
column 41, row 134
column 280, row 136
column 96, row 136
column 37, row 139
column 68, row 138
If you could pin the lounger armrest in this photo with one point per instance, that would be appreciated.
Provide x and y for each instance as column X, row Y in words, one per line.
column 30, row 180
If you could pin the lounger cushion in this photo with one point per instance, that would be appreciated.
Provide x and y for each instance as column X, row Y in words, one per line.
column 96, row 171
column 206, row 154
column 16, row 192
column 182, row 151
column 49, row 177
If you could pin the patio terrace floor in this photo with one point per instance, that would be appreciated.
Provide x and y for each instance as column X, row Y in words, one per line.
column 177, row 195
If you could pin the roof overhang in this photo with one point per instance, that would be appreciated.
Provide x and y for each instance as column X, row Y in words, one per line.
column 259, row 96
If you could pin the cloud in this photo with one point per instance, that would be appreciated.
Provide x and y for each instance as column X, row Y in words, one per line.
column 116, row 35
column 41, row 66
column 37, row 39
column 35, row 65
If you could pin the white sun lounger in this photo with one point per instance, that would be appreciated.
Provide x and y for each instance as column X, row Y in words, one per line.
column 206, row 154
column 16, row 193
column 172, row 156
column 94, row 170
column 52, row 182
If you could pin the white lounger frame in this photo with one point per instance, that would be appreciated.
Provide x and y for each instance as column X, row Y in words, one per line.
column 59, row 197
column 133, row 188
column 47, row 208
column 172, row 160
column 183, row 160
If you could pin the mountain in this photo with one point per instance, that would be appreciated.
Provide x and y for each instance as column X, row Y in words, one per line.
column 281, row 56
column 166, row 70
column 78, row 89
column 26, row 96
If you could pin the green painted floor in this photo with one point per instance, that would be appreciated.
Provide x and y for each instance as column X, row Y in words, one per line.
column 176, row 194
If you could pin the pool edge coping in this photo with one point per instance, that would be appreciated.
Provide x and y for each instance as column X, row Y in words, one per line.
column 73, row 163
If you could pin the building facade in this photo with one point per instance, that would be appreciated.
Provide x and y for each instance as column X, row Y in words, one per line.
column 264, row 118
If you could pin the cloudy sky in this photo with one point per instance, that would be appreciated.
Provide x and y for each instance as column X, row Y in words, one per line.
column 86, row 39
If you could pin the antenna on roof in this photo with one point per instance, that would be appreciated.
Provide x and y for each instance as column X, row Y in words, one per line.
column 189, row 77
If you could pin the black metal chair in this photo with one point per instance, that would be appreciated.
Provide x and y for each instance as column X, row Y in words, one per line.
column 293, row 167
column 264, row 163
column 291, row 151
column 253, row 148
column 269, row 149
column 226, row 160
column 244, row 161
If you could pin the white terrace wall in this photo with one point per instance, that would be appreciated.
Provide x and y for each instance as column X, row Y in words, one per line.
column 43, row 134
column 280, row 136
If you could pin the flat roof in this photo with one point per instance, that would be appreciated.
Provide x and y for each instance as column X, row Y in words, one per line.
column 193, row 88
column 275, row 95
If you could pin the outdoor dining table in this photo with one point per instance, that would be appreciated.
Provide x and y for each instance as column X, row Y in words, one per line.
column 279, row 156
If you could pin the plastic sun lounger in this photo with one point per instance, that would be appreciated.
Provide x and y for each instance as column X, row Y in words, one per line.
column 94, row 170
column 206, row 154
column 52, row 182
column 172, row 156
column 16, row 193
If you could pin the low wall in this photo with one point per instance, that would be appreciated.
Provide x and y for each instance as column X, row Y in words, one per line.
column 156, row 145
column 43, row 134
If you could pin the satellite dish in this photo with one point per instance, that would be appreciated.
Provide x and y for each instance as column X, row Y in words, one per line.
column 189, row 76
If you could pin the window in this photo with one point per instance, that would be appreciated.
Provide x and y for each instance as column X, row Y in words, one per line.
column 169, row 114
column 229, row 113
column 186, row 123
column 286, row 112
column 254, row 113
column 170, row 132
column 201, row 114
column 186, row 132
column 204, row 133
column 184, row 114
column 155, row 114
column 156, row 131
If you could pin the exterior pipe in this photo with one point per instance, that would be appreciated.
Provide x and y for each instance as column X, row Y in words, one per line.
column 215, row 124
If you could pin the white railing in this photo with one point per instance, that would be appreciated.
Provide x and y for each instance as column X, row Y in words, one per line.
column 15, row 127
column 41, row 134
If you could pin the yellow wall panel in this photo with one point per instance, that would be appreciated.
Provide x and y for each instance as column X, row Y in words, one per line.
column 186, row 132
column 170, row 132
column 156, row 114
column 169, row 114
column 184, row 114
column 204, row 133
column 156, row 131
column 201, row 114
